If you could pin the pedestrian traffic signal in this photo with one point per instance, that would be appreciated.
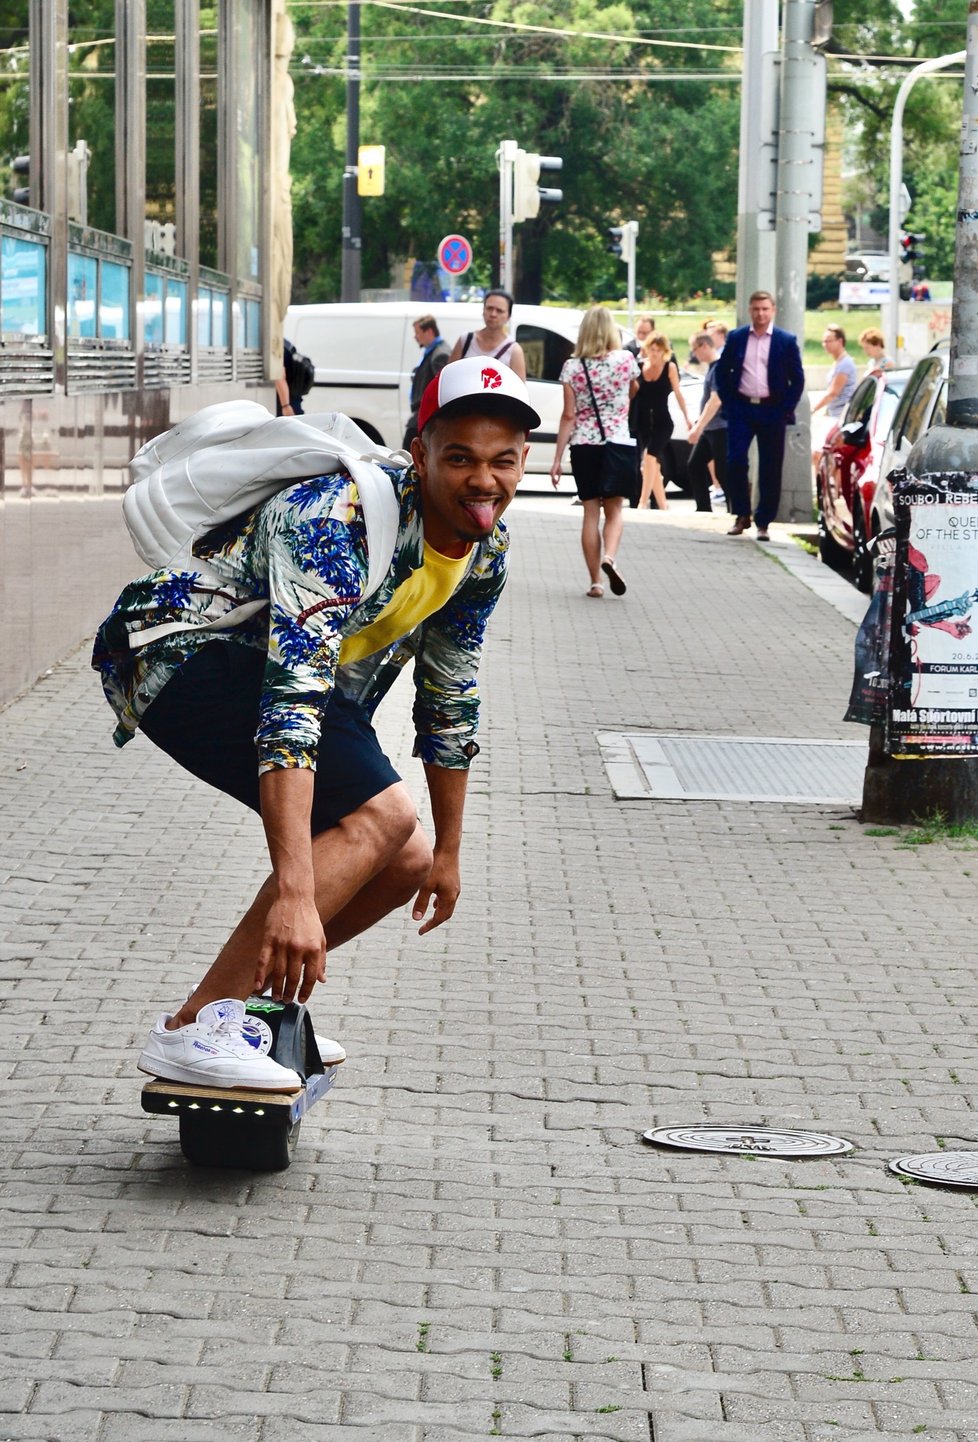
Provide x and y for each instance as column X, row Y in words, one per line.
column 21, row 165
column 621, row 240
column 528, row 196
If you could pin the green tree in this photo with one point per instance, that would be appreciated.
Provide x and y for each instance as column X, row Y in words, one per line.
column 639, row 140
column 867, row 92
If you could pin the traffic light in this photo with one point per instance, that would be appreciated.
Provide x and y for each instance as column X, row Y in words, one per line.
column 621, row 240
column 528, row 196
column 911, row 246
column 21, row 165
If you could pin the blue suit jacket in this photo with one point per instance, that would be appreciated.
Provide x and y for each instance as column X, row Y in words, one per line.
column 785, row 373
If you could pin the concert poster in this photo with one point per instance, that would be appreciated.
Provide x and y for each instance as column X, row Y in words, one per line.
column 933, row 707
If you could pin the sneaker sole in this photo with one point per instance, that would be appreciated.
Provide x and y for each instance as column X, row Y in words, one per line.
column 188, row 1077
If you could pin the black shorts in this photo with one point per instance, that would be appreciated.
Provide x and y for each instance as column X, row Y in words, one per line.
column 587, row 463
column 206, row 717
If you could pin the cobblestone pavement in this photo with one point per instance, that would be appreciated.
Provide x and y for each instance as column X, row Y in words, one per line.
column 473, row 1240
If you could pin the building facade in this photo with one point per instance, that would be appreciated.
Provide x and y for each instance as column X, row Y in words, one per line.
column 141, row 277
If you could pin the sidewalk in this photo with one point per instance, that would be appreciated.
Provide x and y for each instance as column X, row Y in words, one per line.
column 473, row 1240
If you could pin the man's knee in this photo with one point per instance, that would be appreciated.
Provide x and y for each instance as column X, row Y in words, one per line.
column 412, row 864
column 387, row 821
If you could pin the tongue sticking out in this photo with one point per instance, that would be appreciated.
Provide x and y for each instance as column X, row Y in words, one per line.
column 482, row 512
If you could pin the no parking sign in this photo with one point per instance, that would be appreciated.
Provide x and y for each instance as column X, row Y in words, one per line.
column 455, row 254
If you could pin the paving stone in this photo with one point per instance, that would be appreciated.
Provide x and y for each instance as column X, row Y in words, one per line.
column 472, row 1233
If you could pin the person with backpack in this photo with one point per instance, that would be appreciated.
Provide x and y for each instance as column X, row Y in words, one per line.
column 295, row 382
column 257, row 665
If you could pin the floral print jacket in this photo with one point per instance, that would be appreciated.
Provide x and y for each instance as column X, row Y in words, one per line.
column 305, row 553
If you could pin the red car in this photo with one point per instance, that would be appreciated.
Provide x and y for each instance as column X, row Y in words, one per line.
column 847, row 474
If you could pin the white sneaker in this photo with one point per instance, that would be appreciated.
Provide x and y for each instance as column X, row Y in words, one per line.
column 330, row 1051
column 213, row 1051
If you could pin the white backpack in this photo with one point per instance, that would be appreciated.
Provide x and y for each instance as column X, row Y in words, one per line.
column 228, row 458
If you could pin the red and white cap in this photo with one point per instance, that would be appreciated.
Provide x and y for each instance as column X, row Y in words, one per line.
column 480, row 376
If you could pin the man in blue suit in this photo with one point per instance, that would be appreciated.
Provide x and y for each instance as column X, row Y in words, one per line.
column 760, row 380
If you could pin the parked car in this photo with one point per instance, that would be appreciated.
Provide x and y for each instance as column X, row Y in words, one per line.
column 845, row 481
column 922, row 405
column 867, row 265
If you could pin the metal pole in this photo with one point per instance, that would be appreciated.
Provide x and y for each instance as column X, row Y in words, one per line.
column 506, row 160
column 801, row 121
column 632, row 248
column 962, row 394
column 350, row 283
column 891, row 326
column 756, row 237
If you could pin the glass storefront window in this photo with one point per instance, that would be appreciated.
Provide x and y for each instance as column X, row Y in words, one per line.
column 176, row 312
column 247, row 33
column 91, row 102
column 249, row 333
column 114, row 302
column 23, row 273
column 161, row 113
column 15, row 110
column 212, row 317
column 82, row 296
column 209, row 91
column 153, row 309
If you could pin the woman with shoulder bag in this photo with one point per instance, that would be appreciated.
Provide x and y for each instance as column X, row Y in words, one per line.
column 599, row 380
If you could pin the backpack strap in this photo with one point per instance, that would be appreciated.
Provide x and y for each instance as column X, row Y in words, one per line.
column 506, row 345
column 381, row 516
column 466, row 343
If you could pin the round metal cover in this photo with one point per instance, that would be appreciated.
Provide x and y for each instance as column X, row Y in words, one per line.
column 766, row 1141
column 948, row 1169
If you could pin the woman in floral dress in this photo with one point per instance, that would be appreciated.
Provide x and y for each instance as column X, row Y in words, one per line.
column 599, row 380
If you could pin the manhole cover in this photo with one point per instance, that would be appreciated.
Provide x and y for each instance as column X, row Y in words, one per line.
column 949, row 1169
column 764, row 1140
column 650, row 765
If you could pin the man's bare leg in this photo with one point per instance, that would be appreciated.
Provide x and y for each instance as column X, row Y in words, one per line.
column 397, row 884
column 345, row 859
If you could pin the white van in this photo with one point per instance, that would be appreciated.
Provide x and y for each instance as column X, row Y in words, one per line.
column 364, row 356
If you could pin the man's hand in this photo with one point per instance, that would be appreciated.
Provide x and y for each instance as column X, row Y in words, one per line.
column 293, row 951
column 444, row 884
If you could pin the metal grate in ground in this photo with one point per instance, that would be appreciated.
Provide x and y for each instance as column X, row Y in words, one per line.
column 652, row 765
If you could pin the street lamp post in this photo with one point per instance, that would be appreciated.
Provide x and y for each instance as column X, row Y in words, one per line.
column 926, row 67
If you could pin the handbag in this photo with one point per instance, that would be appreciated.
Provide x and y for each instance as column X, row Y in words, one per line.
column 619, row 468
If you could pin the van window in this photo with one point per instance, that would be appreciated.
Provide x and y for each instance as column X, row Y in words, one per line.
column 545, row 352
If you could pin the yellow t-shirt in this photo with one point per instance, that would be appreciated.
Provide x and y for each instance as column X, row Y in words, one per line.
column 424, row 592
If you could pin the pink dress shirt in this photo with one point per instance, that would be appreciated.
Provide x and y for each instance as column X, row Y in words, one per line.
column 753, row 376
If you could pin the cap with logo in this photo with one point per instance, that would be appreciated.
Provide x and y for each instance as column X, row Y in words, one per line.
column 480, row 376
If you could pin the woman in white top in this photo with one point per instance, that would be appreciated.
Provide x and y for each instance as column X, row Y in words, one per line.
column 599, row 380
column 493, row 340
